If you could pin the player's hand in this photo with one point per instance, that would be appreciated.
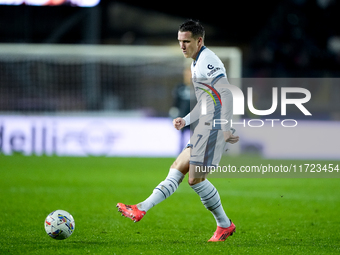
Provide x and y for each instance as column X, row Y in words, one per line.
column 178, row 123
column 230, row 138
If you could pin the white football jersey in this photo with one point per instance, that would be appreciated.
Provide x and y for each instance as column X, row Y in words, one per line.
column 206, row 70
column 207, row 67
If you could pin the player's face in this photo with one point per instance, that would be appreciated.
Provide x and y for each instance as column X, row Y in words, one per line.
column 189, row 45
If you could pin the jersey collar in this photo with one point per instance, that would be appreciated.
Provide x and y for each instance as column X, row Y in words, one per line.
column 199, row 53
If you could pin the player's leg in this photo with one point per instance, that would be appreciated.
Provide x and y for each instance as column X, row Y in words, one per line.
column 162, row 191
column 209, row 195
column 167, row 187
column 182, row 161
column 207, row 152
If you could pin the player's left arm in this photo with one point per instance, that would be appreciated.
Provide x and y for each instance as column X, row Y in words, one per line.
column 227, row 109
column 214, row 70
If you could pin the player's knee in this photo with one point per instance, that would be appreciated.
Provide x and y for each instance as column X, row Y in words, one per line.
column 181, row 164
column 193, row 181
column 174, row 164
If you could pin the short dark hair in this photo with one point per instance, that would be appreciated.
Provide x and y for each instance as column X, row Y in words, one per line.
column 193, row 26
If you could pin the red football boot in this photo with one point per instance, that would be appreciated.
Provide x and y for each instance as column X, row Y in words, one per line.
column 131, row 211
column 221, row 234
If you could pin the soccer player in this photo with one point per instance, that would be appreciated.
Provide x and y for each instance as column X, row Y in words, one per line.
column 214, row 101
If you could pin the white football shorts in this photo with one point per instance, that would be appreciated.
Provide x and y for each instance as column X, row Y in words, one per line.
column 207, row 147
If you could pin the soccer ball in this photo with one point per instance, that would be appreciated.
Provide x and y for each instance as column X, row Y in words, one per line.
column 59, row 224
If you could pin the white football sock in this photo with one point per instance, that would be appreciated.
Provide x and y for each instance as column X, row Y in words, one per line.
column 164, row 190
column 211, row 200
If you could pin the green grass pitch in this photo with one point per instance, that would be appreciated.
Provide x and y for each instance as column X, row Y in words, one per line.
column 272, row 215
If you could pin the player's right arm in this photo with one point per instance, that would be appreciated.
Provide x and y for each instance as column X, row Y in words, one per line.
column 191, row 117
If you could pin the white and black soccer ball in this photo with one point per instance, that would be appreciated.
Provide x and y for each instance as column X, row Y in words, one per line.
column 59, row 224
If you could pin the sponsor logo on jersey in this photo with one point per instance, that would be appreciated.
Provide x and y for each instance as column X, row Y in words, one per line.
column 213, row 71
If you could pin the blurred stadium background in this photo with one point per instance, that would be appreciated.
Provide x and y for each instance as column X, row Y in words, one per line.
column 72, row 77
column 106, row 80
